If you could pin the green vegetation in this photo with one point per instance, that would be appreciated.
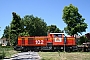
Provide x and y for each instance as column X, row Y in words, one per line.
column 34, row 26
column 2, row 55
column 6, row 48
column 53, row 29
column 65, row 55
column 74, row 21
column 6, row 51
column 82, row 40
column 15, row 28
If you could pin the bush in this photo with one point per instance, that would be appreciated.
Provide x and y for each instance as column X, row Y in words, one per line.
column 2, row 55
column 6, row 48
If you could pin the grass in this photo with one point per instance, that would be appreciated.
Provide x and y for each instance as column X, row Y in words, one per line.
column 65, row 55
column 8, row 50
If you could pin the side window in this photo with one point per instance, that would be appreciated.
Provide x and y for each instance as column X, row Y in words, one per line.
column 23, row 40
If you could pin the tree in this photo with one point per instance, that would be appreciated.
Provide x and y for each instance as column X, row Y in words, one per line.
column 6, row 33
column 82, row 40
column 16, row 28
column 88, row 36
column 34, row 26
column 54, row 29
column 24, row 34
column 74, row 21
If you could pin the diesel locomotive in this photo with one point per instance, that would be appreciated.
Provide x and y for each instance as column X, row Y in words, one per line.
column 51, row 42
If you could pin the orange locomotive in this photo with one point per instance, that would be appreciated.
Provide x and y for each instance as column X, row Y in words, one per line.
column 54, row 41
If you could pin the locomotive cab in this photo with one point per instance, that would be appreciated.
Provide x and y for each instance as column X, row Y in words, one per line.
column 62, row 42
column 58, row 41
column 58, row 38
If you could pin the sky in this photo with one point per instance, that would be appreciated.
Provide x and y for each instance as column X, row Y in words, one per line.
column 49, row 10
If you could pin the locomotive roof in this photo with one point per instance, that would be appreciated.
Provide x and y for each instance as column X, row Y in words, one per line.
column 35, row 36
column 56, row 33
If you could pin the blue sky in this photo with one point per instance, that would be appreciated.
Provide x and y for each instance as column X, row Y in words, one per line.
column 49, row 10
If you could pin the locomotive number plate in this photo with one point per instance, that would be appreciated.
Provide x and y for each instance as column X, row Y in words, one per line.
column 39, row 42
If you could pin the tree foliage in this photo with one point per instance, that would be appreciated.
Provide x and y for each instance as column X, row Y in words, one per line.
column 82, row 40
column 16, row 27
column 35, row 26
column 54, row 29
column 74, row 21
column 88, row 36
column 6, row 32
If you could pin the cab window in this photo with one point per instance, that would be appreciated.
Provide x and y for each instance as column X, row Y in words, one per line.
column 58, row 35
